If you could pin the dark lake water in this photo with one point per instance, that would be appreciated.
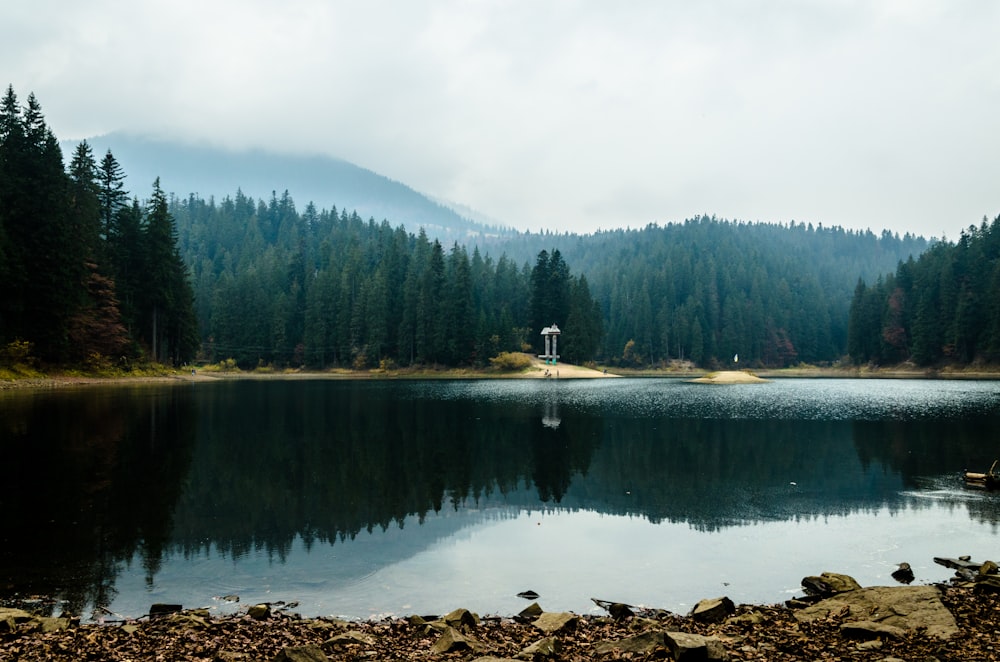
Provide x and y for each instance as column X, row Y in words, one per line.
column 374, row 498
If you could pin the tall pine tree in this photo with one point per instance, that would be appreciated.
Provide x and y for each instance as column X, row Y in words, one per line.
column 167, row 303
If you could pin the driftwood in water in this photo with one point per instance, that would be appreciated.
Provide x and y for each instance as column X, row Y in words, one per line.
column 618, row 610
column 990, row 480
column 984, row 575
column 961, row 563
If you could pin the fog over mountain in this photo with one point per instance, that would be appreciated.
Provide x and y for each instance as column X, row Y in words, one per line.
column 208, row 172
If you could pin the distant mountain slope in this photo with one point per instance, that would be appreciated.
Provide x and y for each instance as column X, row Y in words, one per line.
column 214, row 172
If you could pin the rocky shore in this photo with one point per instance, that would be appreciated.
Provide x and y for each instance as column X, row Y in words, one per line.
column 836, row 620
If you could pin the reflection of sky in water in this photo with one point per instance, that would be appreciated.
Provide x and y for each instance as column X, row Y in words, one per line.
column 481, row 559
column 649, row 491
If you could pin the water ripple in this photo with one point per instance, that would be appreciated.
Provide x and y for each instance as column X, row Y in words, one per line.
column 787, row 399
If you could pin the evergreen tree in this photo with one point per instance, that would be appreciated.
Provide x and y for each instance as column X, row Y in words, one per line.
column 112, row 199
column 550, row 291
column 459, row 319
column 43, row 286
column 167, row 308
column 541, row 313
column 581, row 336
column 126, row 250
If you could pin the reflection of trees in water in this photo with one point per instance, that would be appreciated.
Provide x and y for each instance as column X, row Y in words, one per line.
column 715, row 473
column 986, row 510
column 357, row 457
column 88, row 478
column 929, row 448
column 939, row 451
column 253, row 465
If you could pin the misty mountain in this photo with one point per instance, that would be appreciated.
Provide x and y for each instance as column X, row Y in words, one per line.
column 212, row 172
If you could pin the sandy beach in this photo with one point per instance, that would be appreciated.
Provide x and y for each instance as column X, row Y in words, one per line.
column 730, row 377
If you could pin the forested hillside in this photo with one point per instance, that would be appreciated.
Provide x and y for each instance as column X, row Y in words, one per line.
column 90, row 277
column 326, row 288
column 706, row 289
column 940, row 307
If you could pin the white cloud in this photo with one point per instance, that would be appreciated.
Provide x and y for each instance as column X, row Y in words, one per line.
column 563, row 114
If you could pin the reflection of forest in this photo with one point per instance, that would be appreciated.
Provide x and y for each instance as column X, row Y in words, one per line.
column 92, row 477
column 88, row 478
column 356, row 458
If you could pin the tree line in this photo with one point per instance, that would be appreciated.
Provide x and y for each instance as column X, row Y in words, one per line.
column 85, row 276
column 325, row 288
column 938, row 308
column 707, row 289
column 89, row 274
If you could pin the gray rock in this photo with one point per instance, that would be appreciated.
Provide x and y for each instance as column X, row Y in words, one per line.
column 231, row 656
column 452, row 640
column 188, row 620
column 687, row 647
column 987, row 583
column 641, row 644
column 905, row 607
column 829, row 583
column 351, row 637
column 308, row 653
column 547, row 647
column 749, row 618
column 530, row 613
column 163, row 609
column 260, row 612
column 871, row 630
column 713, row 610
column 903, row 573
column 461, row 618
column 10, row 618
column 870, row 645
column 553, row 622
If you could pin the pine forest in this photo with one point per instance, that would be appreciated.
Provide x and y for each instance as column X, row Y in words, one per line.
column 94, row 275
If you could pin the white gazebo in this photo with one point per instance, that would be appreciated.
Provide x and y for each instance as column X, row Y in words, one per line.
column 551, row 336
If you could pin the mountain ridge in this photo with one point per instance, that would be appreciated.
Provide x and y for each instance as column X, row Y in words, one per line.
column 327, row 182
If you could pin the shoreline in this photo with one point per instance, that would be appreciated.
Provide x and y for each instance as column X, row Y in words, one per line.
column 970, row 630
column 538, row 370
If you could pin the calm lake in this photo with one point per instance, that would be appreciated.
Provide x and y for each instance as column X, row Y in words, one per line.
column 364, row 499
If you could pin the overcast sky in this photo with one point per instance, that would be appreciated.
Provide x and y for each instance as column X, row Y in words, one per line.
column 565, row 115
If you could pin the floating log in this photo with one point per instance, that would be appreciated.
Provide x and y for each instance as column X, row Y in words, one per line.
column 989, row 480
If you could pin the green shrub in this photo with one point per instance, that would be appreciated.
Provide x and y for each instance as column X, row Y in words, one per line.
column 17, row 353
column 227, row 365
column 510, row 361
